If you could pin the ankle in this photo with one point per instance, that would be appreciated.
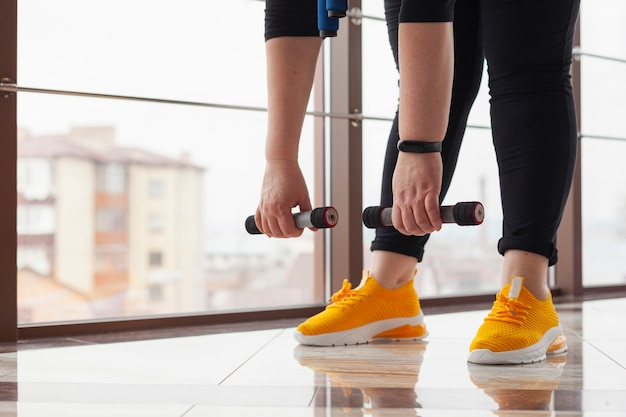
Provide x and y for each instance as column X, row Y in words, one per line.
column 392, row 281
column 392, row 270
column 536, row 288
column 533, row 267
column 540, row 292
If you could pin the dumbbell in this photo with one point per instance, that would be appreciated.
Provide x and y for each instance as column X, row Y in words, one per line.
column 320, row 218
column 468, row 213
column 328, row 14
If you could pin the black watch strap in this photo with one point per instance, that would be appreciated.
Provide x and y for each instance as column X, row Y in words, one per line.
column 415, row 146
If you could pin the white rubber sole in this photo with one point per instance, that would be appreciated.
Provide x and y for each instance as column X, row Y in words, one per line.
column 530, row 354
column 363, row 334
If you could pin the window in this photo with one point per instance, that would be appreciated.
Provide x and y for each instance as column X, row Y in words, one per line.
column 35, row 219
column 159, row 178
column 110, row 219
column 111, row 178
column 603, row 143
column 156, row 188
column 155, row 292
column 156, row 223
column 169, row 176
column 111, row 258
column 155, row 259
column 34, row 178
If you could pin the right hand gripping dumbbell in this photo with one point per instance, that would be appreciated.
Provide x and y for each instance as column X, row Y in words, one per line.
column 469, row 213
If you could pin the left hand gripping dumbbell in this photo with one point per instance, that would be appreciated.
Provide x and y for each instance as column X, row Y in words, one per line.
column 469, row 213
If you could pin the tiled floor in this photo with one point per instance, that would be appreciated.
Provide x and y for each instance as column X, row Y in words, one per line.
column 265, row 373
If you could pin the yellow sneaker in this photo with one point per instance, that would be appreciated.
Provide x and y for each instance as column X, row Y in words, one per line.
column 519, row 329
column 364, row 314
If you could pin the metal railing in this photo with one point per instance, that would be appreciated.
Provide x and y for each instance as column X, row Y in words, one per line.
column 579, row 53
column 8, row 88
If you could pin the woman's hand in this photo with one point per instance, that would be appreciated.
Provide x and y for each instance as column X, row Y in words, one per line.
column 416, row 187
column 283, row 189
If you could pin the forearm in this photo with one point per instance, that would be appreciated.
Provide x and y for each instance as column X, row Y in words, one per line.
column 426, row 54
column 291, row 65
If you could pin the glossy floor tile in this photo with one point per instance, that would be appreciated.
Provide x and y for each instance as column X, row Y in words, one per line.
column 266, row 373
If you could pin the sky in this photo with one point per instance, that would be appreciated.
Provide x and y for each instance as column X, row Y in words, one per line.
column 213, row 52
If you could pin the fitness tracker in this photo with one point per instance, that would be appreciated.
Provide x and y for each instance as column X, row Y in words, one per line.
column 414, row 146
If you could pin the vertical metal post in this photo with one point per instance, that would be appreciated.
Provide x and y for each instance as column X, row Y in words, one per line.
column 569, row 274
column 8, row 158
column 346, row 153
column 319, row 194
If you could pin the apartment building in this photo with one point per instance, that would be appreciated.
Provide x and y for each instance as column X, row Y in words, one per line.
column 109, row 230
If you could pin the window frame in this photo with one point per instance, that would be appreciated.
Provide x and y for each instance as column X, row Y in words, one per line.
column 344, row 167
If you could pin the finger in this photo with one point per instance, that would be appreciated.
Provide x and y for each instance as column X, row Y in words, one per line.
column 288, row 226
column 269, row 224
column 266, row 227
column 412, row 218
column 403, row 220
column 258, row 220
column 433, row 212
column 423, row 225
column 396, row 219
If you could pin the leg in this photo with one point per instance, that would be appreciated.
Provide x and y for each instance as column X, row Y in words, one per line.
column 385, row 305
column 534, row 132
column 533, row 121
column 394, row 254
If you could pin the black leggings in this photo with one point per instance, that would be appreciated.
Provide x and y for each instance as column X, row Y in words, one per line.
column 528, row 48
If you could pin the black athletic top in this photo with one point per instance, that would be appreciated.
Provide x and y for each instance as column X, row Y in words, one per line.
column 299, row 17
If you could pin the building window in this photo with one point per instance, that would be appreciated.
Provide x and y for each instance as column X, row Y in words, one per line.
column 156, row 188
column 111, row 258
column 35, row 258
column 34, row 178
column 155, row 259
column 111, row 219
column 156, row 223
column 111, row 178
column 35, row 219
column 155, row 292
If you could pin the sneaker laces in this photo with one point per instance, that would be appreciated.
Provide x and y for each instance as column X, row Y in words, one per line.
column 346, row 295
column 509, row 310
column 344, row 292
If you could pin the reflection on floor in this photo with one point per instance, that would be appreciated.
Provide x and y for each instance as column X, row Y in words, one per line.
column 266, row 373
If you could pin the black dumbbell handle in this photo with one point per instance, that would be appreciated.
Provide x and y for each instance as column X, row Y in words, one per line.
column 320, row 218
column 468, row 213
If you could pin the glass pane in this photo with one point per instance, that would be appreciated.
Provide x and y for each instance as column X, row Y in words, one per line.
column 603, row 110
column 603, row 208
column 184, row 49
column 132, row 208
column 459, row 260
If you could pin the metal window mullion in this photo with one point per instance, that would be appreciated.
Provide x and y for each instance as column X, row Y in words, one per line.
column 320, row 250
column 8, row 150
column 569, row 236
column 346, row 153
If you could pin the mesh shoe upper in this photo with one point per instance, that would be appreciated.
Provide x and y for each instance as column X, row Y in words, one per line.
column 369, row 302
column 516, row 321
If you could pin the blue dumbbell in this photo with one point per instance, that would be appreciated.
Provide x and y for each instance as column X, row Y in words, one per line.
column 328, row 14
